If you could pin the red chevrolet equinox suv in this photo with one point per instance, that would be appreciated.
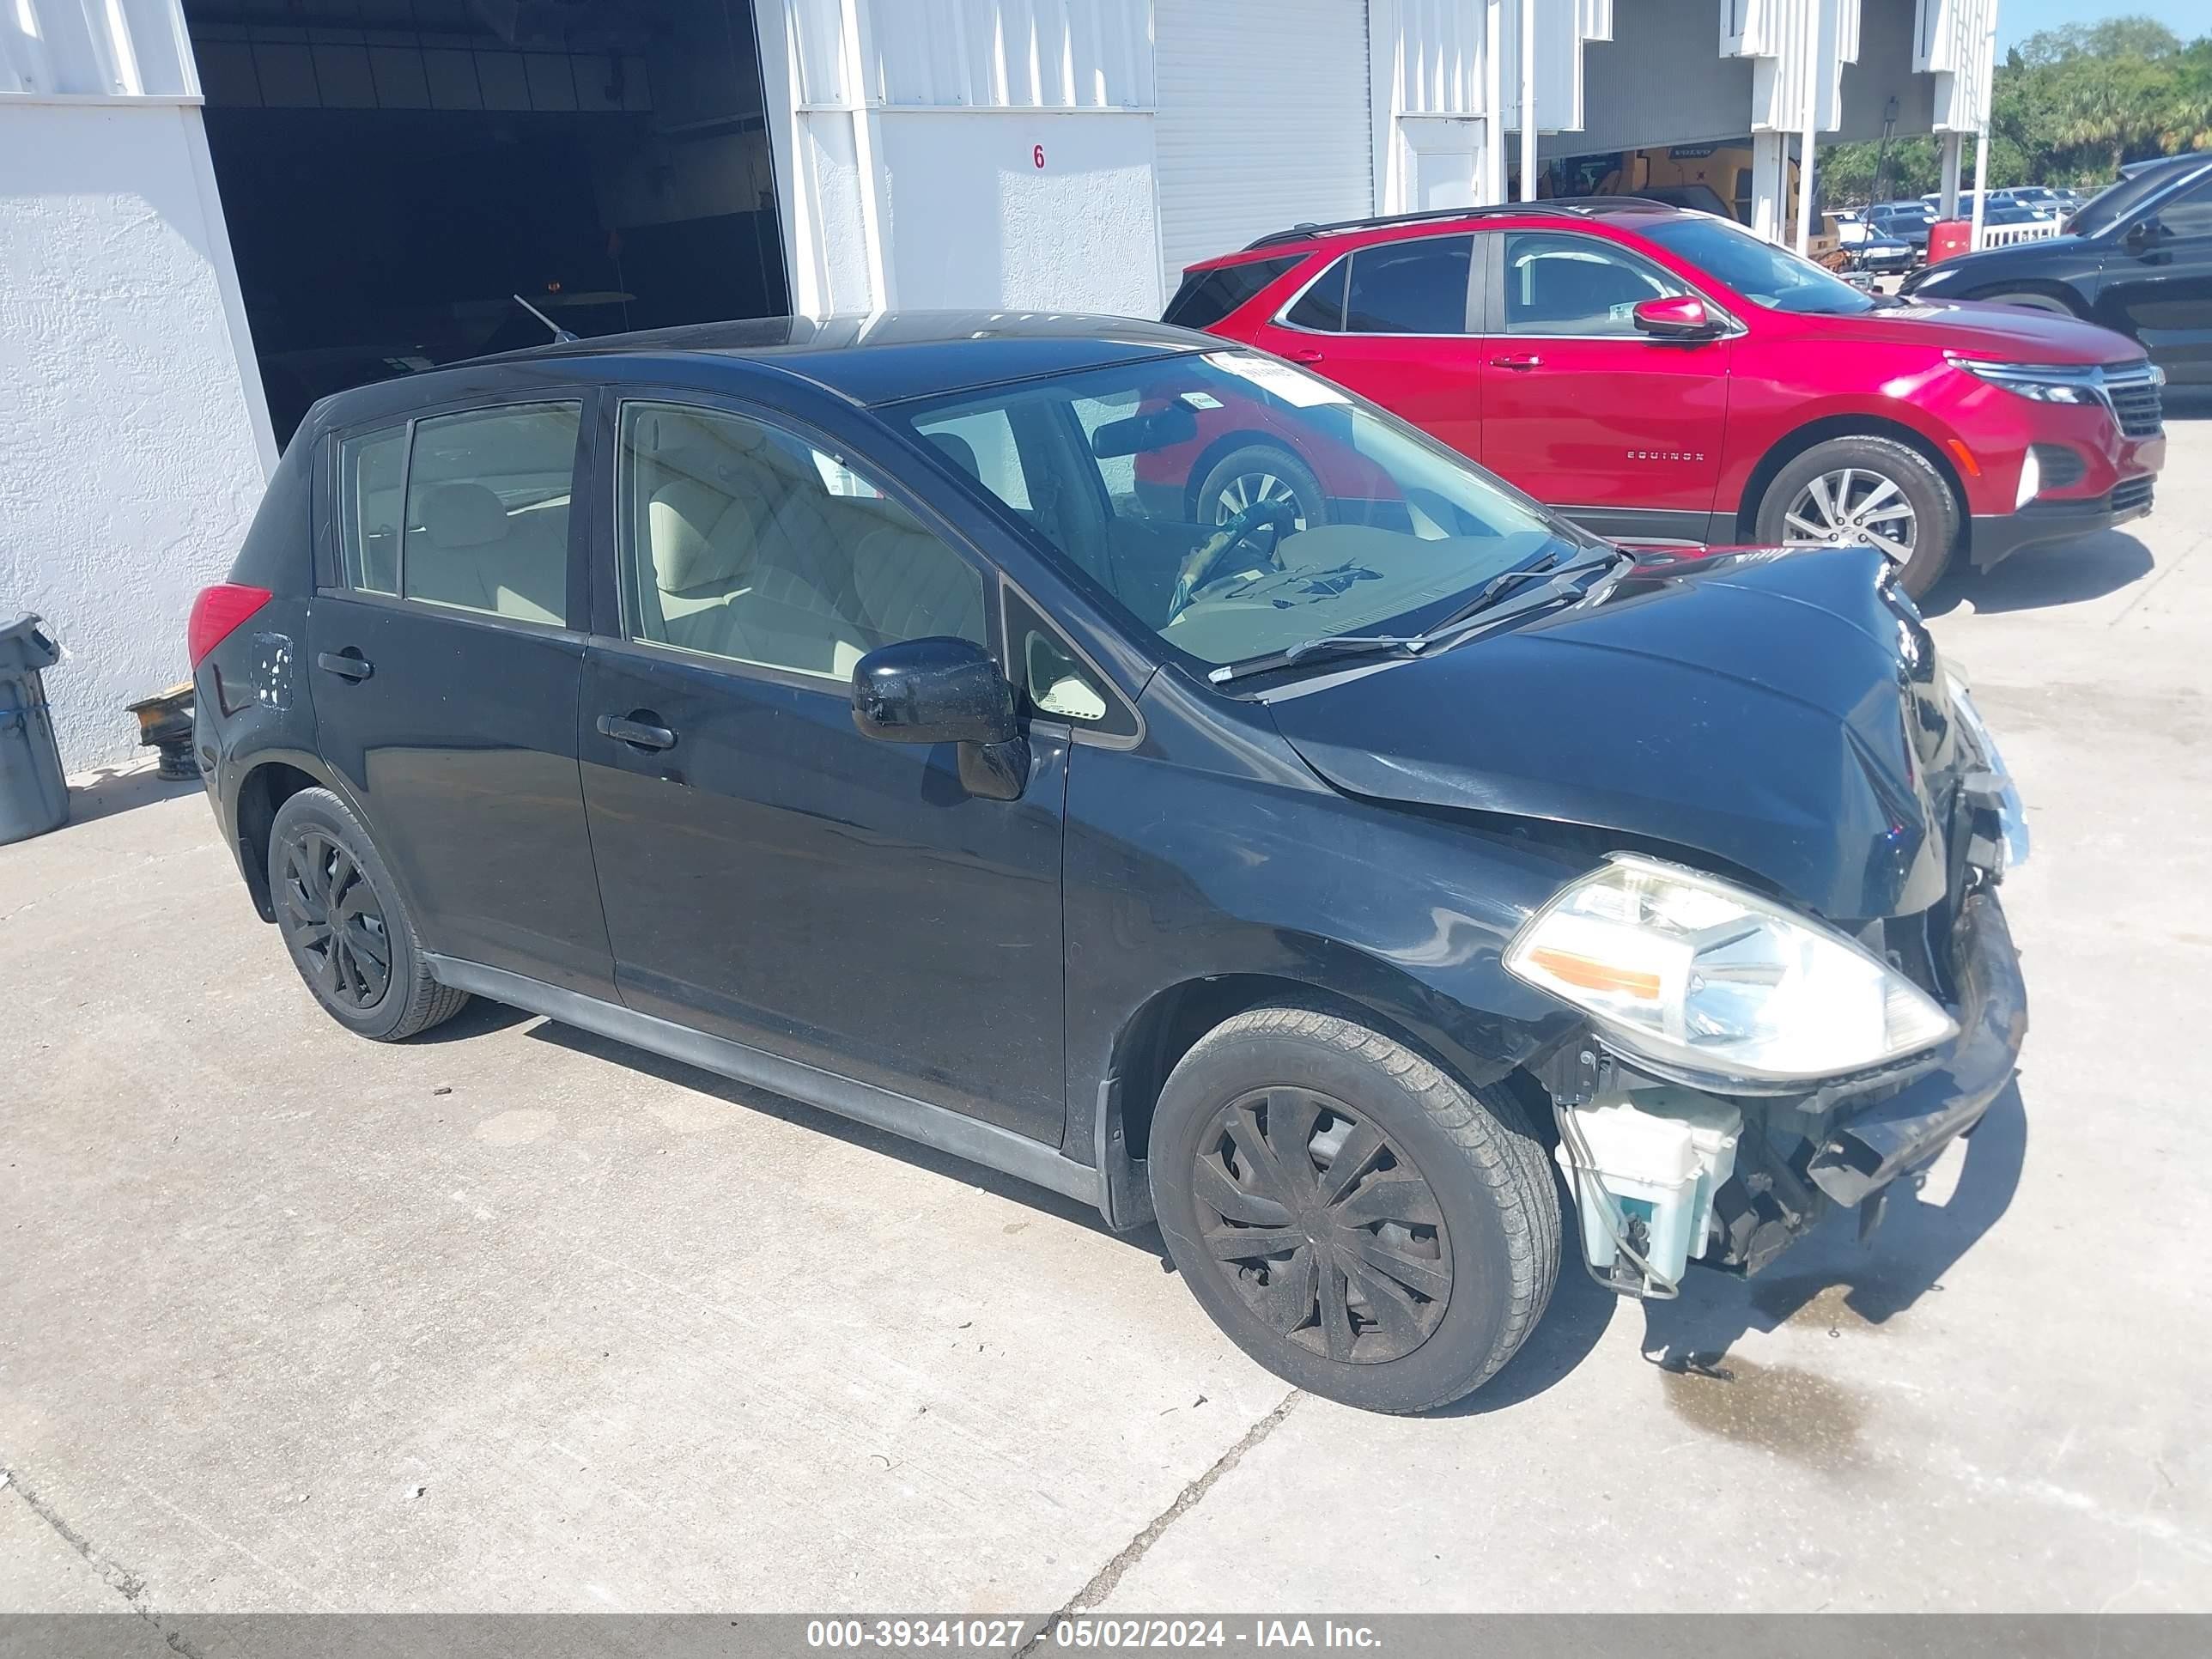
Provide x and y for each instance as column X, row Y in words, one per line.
column 1665, row 376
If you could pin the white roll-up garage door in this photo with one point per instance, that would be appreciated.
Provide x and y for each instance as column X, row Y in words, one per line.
column 1263, row 121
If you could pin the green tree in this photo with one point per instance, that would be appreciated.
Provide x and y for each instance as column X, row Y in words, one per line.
column 2068, row 106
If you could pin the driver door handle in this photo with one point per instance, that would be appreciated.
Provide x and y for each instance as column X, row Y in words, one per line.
column 638, row 733
column 1305, row 355
column 1527, row 360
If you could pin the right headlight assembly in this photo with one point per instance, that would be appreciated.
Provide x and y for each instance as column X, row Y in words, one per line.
column 1709, row 981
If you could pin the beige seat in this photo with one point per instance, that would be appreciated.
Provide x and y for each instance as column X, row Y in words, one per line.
column 472, row 552
column 747, row 561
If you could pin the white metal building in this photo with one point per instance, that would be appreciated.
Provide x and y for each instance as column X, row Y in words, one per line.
column 213, row 211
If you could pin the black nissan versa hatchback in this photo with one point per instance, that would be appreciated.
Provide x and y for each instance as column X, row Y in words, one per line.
column 822, row 704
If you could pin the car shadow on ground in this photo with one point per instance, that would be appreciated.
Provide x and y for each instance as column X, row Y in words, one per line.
column 1830, row 1281
column 741, row 1096
column 2051, row 573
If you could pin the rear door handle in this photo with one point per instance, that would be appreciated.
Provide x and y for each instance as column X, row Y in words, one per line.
column 346, row 664
column 1530, row 361
column 638, row 731
column 1306, row 355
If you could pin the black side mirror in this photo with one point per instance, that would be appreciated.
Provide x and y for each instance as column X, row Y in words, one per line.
column 2141, row 233
column 946, row 690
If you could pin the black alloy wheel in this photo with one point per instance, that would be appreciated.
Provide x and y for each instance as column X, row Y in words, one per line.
column 332, row 920
column 345, row 924
column 1326, row 1231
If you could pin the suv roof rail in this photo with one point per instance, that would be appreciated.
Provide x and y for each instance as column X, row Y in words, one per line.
column 1579, row 206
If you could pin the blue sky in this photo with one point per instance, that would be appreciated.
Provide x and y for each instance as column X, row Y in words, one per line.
column 2018, row 19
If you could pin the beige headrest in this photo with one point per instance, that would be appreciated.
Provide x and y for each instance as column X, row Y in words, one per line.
column 464, row 515
column 701, row 539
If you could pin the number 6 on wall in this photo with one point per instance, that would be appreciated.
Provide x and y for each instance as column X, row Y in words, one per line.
column 1036, row 155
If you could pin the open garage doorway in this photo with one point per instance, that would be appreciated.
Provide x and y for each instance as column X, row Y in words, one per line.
column 393, row 171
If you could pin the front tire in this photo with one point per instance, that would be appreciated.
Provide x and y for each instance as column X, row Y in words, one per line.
column 1354, row 1218
column 1260, row 472
column 345, row 925
column 1869, row 490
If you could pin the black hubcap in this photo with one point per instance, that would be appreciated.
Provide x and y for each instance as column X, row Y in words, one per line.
column 332, row 920
column 1325, row 1229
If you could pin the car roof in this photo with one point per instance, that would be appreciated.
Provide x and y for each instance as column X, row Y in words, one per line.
column 879, row 357
column 1307, row 238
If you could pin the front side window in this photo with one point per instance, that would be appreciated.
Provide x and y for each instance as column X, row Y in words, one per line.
column 1759, row 271
column 1559, row 284
column 743, row 541
column 1391, row 531
column 2190, row 214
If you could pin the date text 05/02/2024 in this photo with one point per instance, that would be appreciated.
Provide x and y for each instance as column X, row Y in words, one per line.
column 1085, row 1631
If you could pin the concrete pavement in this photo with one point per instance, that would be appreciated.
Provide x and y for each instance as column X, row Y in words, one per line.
column 510, row 1319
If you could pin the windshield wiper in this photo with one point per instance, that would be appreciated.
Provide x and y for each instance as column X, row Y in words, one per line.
column 1486, row 608
column 1330, row 643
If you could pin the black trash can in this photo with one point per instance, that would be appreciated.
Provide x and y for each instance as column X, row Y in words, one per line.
column 34, row 795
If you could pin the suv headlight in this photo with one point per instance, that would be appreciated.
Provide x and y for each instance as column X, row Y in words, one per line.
column 2041, row 383
column 1701, row 977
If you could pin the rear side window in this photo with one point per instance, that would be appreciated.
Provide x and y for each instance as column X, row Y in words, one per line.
column 467, row 510
column 1410, row 287
column 1320, row 307
column 1206, row 296
column 371, row 466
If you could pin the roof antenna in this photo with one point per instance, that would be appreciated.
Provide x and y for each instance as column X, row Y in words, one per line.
column 560, row 336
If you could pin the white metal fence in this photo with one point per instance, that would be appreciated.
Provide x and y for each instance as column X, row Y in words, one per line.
column 2006, row 236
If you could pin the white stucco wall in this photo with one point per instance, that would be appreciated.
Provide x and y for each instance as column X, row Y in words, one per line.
column 134, row 442
column 973, row 221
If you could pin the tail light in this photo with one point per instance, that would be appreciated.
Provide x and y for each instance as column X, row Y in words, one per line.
column 216, row 613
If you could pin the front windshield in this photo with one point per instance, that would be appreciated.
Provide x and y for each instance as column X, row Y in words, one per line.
column 1757, row 270
column 1236, row 505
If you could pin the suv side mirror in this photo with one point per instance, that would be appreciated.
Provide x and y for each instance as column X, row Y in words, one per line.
column 1681, row 317
column 2141, row 235
column 946, row 690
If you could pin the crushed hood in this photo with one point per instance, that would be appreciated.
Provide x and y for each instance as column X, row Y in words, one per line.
column 1785, row 712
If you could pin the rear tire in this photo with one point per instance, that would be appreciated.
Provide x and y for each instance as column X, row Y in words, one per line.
column 1396, row 1281
column 1852, row 488
column 345, row 925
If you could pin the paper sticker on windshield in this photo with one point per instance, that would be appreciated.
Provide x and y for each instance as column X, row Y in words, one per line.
column 1200, row 400
column 1293, row 386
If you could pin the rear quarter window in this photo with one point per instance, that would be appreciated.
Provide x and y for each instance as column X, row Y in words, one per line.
column 1206, row 296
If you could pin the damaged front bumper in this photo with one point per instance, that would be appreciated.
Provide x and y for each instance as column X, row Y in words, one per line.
column 1666, row 1176
column 1863, row 1154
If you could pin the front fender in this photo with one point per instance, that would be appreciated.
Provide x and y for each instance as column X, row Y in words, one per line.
column 1179, row 873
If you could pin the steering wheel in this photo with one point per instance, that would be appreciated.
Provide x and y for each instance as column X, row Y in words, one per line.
column 1244, row 528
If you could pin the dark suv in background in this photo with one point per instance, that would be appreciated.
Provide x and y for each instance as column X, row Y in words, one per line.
column 2137, row 259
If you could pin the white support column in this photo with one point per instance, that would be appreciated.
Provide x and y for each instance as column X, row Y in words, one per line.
column 1808, row 138
column 1954, row 143
column 1982, row 136
column 1493, row 101
column 1528, row 100
column 1770, row 171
